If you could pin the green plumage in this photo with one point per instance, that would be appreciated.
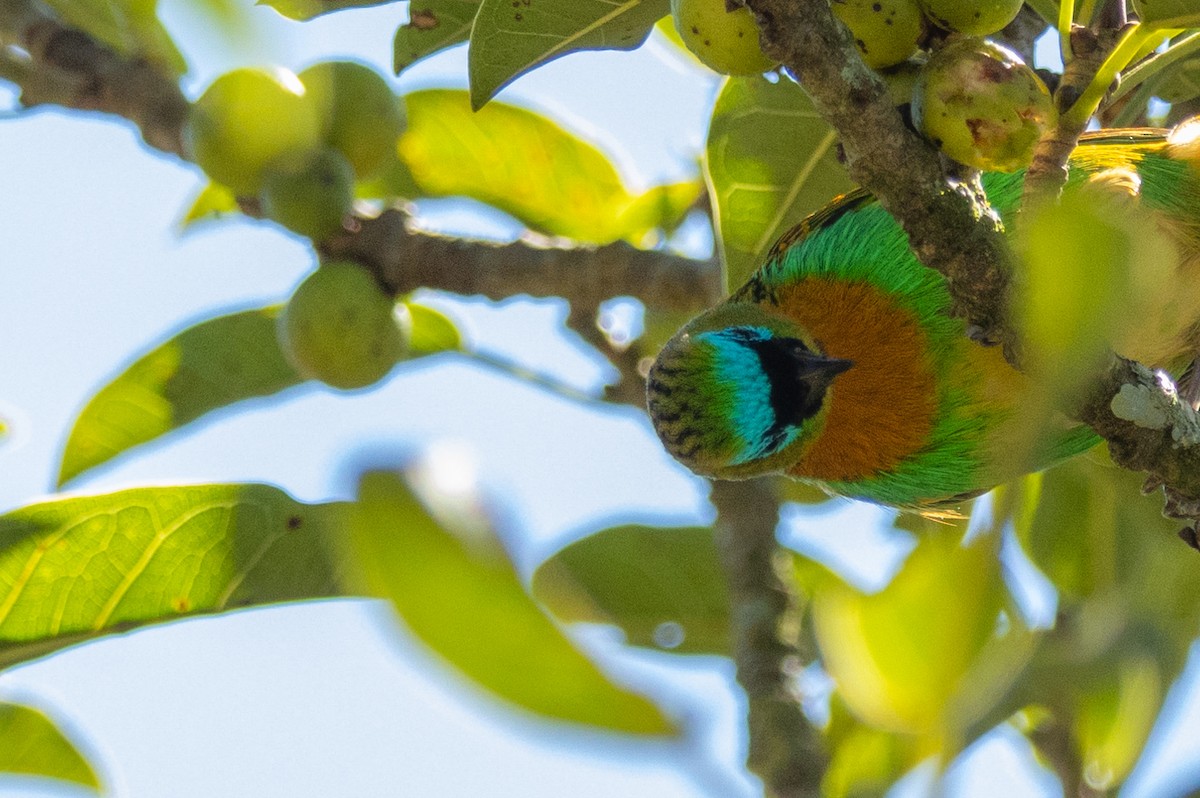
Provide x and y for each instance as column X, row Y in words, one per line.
column 960, row 397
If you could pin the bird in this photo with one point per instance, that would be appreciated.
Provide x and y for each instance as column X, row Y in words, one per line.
column 839, row 362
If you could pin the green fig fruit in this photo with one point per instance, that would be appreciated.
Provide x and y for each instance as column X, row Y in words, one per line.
column 886, row 31
column 981, row 105
column 244, row 121
column 724, row 41
column 310, row 195
column 361, row 116
column 340, row 327
column 972, row 17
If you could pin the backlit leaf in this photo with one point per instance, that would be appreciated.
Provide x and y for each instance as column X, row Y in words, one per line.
column 213, row 201
column 72, row 569
column 433, row 25
column 438, row 561
column 31, row 745
column 208, row 366
column 922, row 656
column 307, row 9
column 660, row 585
column 511, row 37
column 771, row 161
column 527, row 166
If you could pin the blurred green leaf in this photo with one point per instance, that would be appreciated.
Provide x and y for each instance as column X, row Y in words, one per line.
column 660, row 208
column 771, row 161
column 922, row 656
column 1179, row 83
column 1114, row 717
column 129, row 27
column 73, row 569
column 307, row 9
column 511, row 37
column 864, row 761
column 433, row 25
column 213, row 201
column 1168, row 13
column 440, row 564
column 661, row 585
column 31, row 745
column 432, row 331
column 527, row 166
column 205, row 367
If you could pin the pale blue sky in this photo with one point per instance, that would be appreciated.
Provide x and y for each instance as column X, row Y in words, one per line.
column 331, row 699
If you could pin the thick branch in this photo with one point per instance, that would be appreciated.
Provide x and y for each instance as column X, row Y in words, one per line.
column 786, row 752
column 406, row 259
column 69, row 68
column 1149, row 429
column 949, row 224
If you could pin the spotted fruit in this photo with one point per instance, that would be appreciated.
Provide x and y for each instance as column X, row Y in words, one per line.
column 724, row 41
column 981, row 105
column 886, row 31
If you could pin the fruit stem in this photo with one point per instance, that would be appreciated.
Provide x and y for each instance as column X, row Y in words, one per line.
column 1066, row 17
column 1132, row 40
column 1184, row 48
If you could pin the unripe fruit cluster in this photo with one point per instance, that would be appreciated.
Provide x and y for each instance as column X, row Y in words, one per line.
column 297, row 142
column 887, row 32
column 341, row 328
column 975, row 100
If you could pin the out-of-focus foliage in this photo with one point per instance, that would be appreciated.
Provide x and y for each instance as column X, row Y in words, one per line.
column 922, row 667
column 31, row 745
column 432, row 551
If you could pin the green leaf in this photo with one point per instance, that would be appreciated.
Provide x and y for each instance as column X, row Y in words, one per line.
column 522, row 163
column 307, row 9
column 31, row 745
column 213, row 201
column 72, row 569
column 660, row 208
column 442, row 567
column 1114, row 716
column 771, row 161
column 660, row 585
column 129, row 27
column 1097, row 274
column 1168, row 13
column 210, row 365
column 433, row 25
column 510, row 38
column 432, row 331
column 922, row 656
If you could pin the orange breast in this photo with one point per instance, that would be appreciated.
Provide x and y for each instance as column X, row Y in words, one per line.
column 882, row 409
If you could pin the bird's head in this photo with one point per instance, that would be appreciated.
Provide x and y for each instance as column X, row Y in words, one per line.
column 737, row 392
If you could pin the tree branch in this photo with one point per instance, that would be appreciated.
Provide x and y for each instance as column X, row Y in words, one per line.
column 406, row 260
column 69, row 68
column 786, row 752
column 949, row 224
